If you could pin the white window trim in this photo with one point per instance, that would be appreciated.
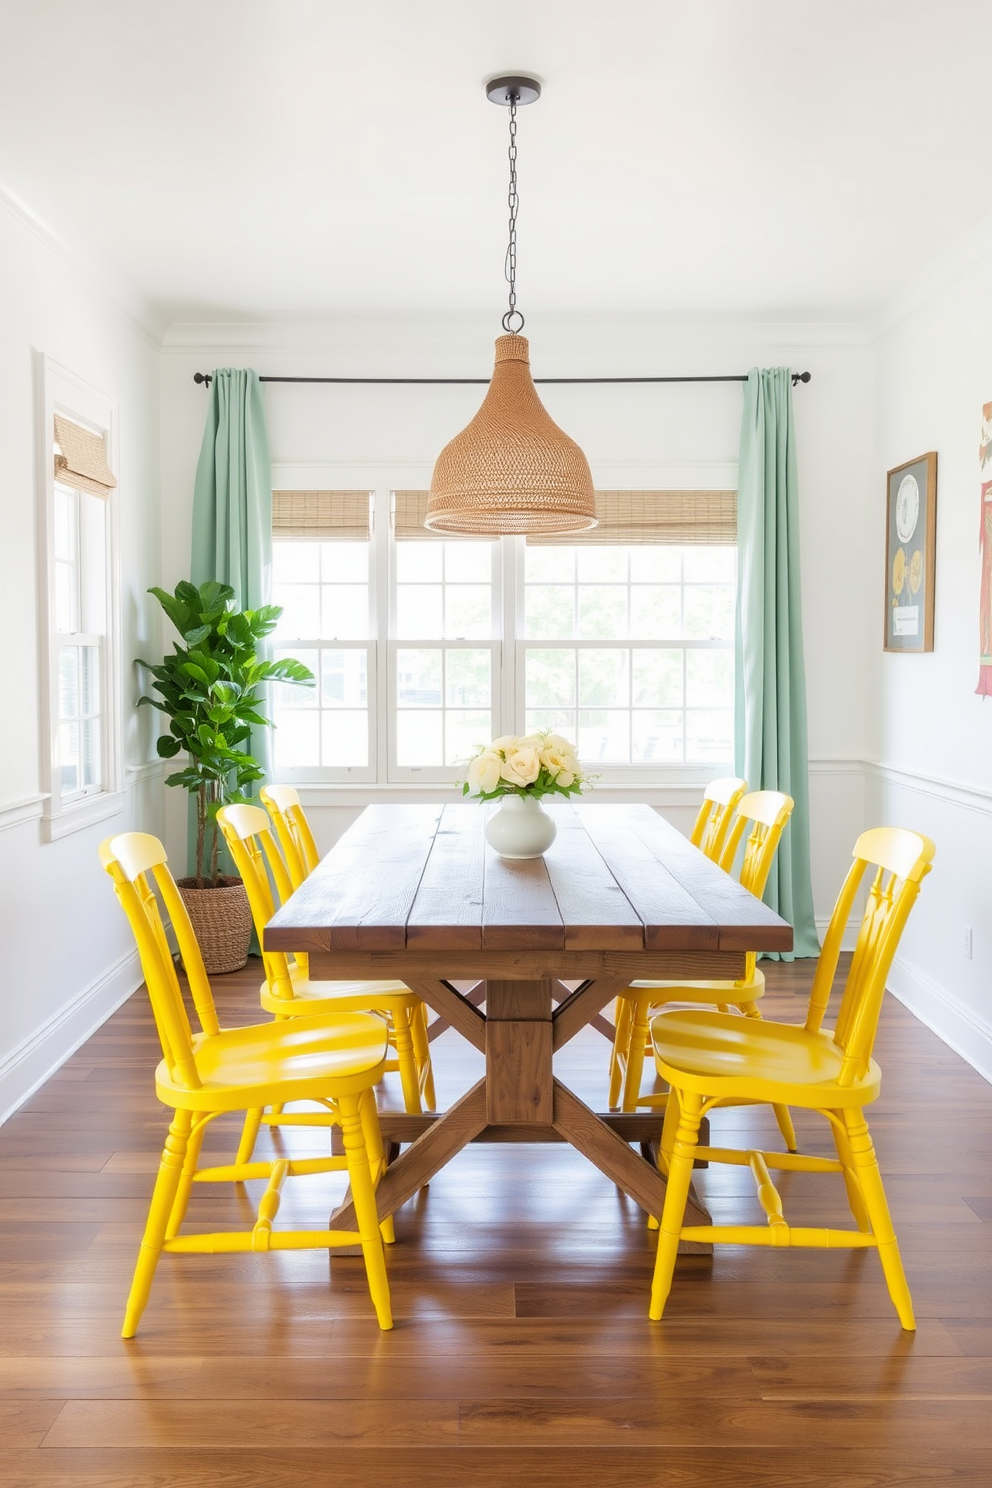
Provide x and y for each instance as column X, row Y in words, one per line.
column 664, row 784
column 62, row 392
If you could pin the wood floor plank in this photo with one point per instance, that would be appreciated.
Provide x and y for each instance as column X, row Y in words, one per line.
column 143, row 1423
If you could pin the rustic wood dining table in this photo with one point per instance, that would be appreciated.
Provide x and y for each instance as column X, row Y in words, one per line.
column 416, row 893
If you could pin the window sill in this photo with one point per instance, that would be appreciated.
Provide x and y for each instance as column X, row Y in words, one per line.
column 678, row 792
column 85, row 814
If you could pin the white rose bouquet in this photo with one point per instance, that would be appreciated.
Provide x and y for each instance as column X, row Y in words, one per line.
column 535, row 765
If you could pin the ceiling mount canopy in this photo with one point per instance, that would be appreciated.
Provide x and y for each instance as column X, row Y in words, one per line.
column 511, row 469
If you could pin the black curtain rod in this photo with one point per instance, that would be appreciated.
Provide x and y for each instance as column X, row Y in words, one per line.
column 205, row 378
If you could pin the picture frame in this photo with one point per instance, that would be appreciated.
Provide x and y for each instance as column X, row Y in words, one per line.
column 910, row 554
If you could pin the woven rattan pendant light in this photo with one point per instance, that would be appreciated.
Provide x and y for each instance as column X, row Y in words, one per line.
column 511, row 469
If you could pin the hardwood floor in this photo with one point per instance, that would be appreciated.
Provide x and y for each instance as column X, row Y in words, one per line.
column 522, row 1352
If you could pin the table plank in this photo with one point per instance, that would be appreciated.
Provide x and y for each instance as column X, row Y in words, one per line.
column 519, row 910
column 447, row 909
column 671, row 917
column 745, row 922
column 363, row 891
column 595, row 911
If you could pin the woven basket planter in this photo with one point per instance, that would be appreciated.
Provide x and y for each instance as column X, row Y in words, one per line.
column 221, row 920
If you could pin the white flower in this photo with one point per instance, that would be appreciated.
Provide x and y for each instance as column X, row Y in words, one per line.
column 505, row 742
column 484, row 772
column 564, row 778
column 522, row 766
column 557, row 763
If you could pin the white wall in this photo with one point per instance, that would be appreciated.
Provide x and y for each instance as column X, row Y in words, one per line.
column 68, row 957
column 634, row 436
column 929, row 737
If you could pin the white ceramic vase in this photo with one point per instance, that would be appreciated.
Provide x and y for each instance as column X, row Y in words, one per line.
column 520, row 828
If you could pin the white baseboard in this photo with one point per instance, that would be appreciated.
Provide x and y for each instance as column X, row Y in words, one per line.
column 37, row 1057
column 959, row 1027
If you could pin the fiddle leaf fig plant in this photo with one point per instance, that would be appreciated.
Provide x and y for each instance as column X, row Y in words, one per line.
column 211, row 690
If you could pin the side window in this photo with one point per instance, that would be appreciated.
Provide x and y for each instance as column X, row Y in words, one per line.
column 322, row 578
column 81, row 702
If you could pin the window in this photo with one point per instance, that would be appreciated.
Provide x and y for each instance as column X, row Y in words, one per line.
column 321, row 576
column 666, row 698
column 82, row 697
column 622, row 638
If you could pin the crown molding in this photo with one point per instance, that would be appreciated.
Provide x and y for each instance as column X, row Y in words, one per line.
column 648, row 343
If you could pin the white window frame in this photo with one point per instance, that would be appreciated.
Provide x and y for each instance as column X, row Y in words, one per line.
column 441, row 774
column 508, row 642
column 610, row 774
column 64, row 393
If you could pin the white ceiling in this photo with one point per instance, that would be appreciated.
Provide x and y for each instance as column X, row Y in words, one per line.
column 239, row 159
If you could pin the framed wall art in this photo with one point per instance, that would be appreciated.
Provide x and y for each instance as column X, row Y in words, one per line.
column 910, row 554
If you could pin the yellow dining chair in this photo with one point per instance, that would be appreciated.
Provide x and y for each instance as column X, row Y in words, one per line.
column 292, row 829
column 711, row 1059
column 721, row 799
column 288, row 992
column 335, row 1062
column 301, row 856
column 766, row 813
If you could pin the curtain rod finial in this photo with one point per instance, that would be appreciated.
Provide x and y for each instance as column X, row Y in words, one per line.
column 202, row 377
column 801, row 377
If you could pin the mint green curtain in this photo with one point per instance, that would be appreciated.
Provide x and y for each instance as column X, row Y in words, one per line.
column 232, row 503
column 771, row 677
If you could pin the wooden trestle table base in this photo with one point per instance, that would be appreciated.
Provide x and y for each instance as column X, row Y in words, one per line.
column 415, row 892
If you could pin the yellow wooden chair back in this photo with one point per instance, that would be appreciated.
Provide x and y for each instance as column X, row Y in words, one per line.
column 765, row 813
column 901, row 860
column 292, row 829
column 720, row 801
column 135, row 860
column 249, row 837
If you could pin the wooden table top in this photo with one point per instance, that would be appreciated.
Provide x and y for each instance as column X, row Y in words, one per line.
column 618, row 878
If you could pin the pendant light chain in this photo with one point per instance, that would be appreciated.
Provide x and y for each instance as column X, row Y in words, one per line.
column 513, row 202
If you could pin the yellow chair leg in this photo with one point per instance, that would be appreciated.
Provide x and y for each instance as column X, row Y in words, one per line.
column 667, row 1145
column 377, row 1156
column 181, row 1200
column 636, row 1047
column 854, row 1198
column 409, row 1077
column 363, row 1194
column 618, row 1054
column 783, row 1116
column 676, row 1193
column 873, row 1193
column 422, row 1055
column 249, row 1134
column 170, row 1172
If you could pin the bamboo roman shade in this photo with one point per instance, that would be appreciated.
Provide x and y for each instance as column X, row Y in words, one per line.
column 321, row 516
column 628, row 518
column 409, row 511
column 81, row 460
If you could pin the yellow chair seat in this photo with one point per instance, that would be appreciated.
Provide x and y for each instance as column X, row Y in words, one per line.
column 724, row 1056
column 336, row 997
column 293, row 1062
column 747, row 989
